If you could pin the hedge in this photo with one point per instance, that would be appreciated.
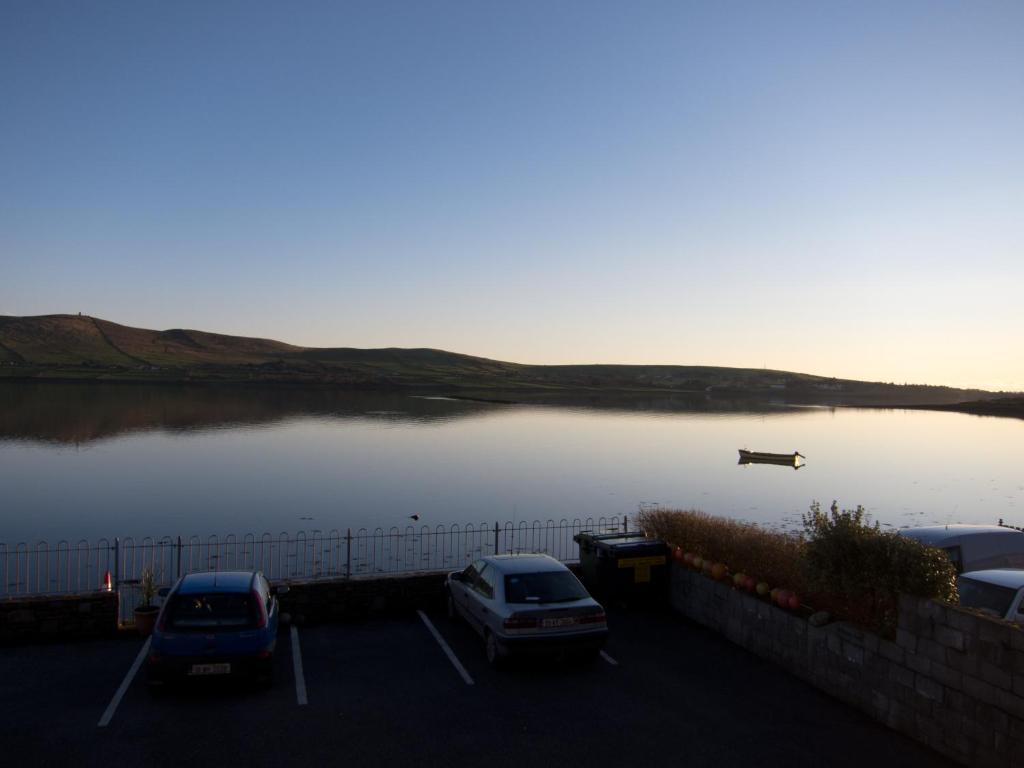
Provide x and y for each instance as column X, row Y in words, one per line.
column 840, row 563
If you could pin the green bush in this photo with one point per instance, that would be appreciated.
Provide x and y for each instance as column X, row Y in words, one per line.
column 766, row 555
column 841, row 563
column 858, row 571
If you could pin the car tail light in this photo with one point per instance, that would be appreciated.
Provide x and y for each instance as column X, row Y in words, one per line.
column 154, row 658
column 261, row 609
column 161, row 622
column 593, row 618
column 517, row 622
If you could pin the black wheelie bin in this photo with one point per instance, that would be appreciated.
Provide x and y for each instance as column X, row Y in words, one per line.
column 625, row 567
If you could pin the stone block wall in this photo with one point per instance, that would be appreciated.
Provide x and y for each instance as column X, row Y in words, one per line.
column 73, row 617
column 320, row 601
column 316, row 601
column 952, row 679
column 67, row 617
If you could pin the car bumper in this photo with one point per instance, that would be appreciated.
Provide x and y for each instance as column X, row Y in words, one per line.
column 161, row 669
column 526, row 645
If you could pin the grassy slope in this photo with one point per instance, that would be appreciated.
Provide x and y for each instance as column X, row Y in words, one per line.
column 70, row 346
column 59, row 340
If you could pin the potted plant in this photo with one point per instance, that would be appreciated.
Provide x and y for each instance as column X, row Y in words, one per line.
column 146, row 613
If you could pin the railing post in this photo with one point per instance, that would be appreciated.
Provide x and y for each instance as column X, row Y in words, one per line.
column 117, row 566
column 177, row 567
column 496, row 537
column 625, row 523
column 348, row 554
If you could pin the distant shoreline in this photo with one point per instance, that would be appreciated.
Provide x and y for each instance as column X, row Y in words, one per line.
column 1012, row 407
column 59, row 348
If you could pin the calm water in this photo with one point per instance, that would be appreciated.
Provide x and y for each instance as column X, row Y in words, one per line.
column 88, row 461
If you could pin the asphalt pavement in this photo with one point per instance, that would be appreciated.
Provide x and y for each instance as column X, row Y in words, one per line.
column 417, row 690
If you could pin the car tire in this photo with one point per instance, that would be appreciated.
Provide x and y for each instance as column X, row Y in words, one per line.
column 452, row 614
column 492, row 650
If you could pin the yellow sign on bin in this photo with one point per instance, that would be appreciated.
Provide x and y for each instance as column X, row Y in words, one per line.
column 641, row 567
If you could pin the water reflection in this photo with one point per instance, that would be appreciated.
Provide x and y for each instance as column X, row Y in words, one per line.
column 80, row 413
column 117, row 460
column 75, row 413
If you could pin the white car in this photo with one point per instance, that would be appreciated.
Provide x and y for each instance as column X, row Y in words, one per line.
column 526, row 603
column 974, row 547
column 998, row 593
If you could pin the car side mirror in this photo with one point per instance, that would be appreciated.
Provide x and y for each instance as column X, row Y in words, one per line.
column 456, row 577
column 163, row 591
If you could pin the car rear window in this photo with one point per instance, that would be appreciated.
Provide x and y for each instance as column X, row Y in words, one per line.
column 549, row 587
column 989, row 598
column 220, row 609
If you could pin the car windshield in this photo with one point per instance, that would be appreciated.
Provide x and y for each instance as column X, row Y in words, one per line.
column 549, row 587
column 219, row 609
column 990, row 598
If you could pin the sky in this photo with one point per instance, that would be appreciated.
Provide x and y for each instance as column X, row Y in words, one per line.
column 833, row 188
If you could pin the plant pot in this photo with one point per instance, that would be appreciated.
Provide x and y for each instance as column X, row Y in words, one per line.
column 145, row 619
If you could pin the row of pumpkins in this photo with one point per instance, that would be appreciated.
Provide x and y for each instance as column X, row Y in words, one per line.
column 784, row 598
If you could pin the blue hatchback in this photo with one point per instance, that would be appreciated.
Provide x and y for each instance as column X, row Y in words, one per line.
column 215, row 624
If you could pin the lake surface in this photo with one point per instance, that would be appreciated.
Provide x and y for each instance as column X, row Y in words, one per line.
column 89, row 461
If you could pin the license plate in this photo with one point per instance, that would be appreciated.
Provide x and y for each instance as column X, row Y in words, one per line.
column 563, row 622
column 210, row 669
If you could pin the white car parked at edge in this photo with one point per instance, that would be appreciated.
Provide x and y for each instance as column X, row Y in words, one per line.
column 974, row 547
column 526, row 603
column 998, row 593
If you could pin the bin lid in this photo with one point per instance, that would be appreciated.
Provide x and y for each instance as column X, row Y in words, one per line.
column 619, row 542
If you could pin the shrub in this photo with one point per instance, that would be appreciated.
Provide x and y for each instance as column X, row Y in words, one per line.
column 858, row 571
column 766, row 555
column 147, row 587
column 841, row 564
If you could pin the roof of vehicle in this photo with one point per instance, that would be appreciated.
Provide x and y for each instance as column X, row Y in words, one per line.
column 524, row 563
column 215, row 581
column 937, row 534
column 1001, row 577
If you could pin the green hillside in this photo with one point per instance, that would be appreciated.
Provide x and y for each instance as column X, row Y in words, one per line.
column 80, row 347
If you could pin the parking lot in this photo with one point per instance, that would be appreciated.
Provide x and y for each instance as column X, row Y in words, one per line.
column 417, row 688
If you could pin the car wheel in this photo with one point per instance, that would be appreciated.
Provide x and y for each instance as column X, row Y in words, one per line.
column 451, row 608
column 492, row 651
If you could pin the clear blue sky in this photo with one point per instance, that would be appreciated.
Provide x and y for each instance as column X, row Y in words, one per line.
column 830, row 187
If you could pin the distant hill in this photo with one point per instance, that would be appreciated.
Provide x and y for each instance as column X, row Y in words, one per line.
column 81, row 347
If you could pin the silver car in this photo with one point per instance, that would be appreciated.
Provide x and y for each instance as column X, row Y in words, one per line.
column 526, row 603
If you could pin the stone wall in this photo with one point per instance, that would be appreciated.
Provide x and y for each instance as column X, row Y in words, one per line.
column 312, row 601
column 952, row 679
column 71, row 617
column 319, row 601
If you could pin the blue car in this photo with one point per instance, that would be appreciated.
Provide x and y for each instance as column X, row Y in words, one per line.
column 215, row 624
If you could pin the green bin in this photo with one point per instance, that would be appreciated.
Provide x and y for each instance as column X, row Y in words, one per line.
column 629, row 567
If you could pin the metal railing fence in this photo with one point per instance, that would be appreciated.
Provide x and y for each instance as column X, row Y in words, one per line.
column 117, row 564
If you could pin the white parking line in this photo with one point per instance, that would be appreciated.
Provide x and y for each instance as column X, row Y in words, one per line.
column 108, row 714
column 447, row 649
column 609, row 659
column 300, row 679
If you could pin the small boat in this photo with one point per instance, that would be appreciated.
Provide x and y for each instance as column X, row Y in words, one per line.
column 783, row 459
